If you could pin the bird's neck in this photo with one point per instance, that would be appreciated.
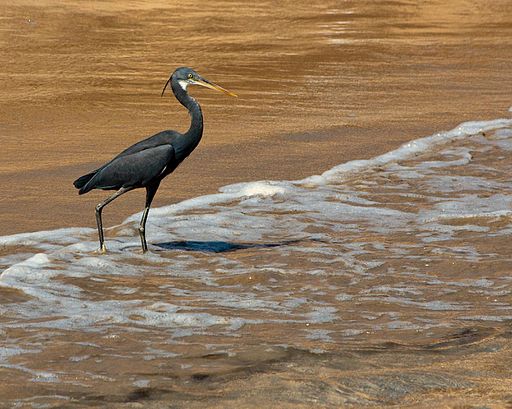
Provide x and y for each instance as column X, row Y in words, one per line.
column 195, row 131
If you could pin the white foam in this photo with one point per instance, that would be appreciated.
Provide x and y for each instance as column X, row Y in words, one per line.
column 326, row 230
column 60, row 236
column 408, row 150
column 261, row 188
column 31, row 268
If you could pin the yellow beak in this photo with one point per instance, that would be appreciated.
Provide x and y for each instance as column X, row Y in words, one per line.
column 205, row 83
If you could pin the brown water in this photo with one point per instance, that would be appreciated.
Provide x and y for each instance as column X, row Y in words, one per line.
column 390, row 287
column 319, row 83
column 379, row 283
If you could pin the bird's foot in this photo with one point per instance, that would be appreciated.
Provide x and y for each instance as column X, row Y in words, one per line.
column 103, row 249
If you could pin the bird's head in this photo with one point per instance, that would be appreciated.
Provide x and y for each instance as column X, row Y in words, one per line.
column 185, row 76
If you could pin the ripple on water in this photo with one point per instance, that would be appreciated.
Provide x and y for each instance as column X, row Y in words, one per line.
column 409, row 244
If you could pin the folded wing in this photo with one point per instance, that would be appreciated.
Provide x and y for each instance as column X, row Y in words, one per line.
column 131, row 170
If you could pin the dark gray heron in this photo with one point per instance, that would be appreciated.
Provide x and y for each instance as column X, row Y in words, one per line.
column 147, row 162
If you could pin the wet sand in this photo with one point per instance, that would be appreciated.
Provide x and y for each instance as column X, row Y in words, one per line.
column 469, row 369
column 318, row 85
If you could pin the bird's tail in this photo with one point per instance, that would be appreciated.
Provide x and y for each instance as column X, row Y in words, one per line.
column 82, row 181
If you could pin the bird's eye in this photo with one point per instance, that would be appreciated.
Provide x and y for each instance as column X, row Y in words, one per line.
column 190, row 76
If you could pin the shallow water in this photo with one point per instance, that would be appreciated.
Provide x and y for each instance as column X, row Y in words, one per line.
column 319, row 83
column 382, row 282
column 404, row 256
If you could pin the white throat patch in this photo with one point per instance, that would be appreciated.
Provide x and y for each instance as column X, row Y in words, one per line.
column 183, row 84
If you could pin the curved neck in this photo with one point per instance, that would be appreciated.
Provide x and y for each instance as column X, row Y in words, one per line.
column 196, row 126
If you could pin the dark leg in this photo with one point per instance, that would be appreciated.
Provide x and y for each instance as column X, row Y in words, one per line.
column 99, row 208
column 150, row 194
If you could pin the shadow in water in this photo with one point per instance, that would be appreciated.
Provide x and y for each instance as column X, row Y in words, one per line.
column 217, row 246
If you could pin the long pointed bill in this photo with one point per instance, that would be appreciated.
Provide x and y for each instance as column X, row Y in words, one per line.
column 165, row 86
column 205, row 83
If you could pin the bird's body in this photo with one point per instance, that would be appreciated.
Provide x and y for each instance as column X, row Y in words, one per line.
column 147, row 162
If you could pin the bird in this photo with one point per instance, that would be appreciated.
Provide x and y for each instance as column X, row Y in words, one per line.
column 147, row 162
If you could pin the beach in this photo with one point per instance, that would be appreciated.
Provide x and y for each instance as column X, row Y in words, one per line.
column 338, row 239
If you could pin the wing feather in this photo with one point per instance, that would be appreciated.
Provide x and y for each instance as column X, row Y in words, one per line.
column 133, row 170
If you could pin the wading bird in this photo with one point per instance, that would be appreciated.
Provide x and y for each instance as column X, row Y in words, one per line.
column 147, row 162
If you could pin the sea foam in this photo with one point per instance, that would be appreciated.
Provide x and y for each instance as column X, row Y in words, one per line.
column 384, row 244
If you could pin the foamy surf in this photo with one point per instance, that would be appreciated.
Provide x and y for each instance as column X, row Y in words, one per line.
column 410, row 243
